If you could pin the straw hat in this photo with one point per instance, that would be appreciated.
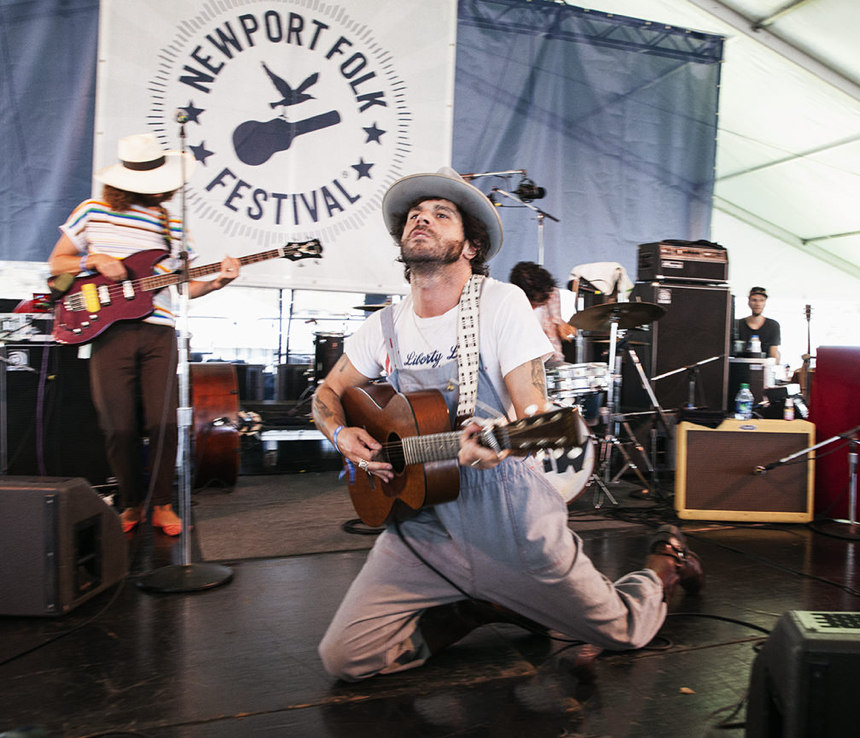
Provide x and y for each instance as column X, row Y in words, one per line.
column 145, row 168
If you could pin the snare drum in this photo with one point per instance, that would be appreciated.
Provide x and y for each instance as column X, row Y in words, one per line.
column 572, row 380
column 569, row 470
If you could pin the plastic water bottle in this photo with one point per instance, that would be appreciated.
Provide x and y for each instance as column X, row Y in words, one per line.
column 755, row 344
column 744, row 403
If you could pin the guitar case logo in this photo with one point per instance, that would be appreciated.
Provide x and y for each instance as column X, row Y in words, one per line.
column 297, row 118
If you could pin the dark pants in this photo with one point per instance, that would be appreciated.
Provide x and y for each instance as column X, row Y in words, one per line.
column 134, row 386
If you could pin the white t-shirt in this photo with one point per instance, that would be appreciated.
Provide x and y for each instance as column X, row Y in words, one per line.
column 509, row 335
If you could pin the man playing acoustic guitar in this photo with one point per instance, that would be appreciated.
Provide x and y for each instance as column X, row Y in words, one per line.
column 136, row 357
column 501, row 548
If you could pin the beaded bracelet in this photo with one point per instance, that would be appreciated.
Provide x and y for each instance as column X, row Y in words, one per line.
column 83, row 264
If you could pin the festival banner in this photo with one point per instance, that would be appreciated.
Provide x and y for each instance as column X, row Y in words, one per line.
column 299, row 114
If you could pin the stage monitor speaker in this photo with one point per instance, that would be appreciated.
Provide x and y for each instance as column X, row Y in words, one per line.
column 696, row 326
column 60, row 545
column 804, row 680
column 715, row 472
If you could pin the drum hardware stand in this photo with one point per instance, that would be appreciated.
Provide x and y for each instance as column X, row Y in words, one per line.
column 622, row 419
column 657, row 409
column 185, row 576
column 616, row 315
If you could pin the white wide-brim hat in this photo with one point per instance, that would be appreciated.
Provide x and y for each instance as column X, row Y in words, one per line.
column 445, row 184
column 144, row 167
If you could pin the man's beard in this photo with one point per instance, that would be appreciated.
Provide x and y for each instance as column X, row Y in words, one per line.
column 448, row 251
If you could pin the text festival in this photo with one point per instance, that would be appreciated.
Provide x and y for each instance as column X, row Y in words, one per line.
column 277, row 29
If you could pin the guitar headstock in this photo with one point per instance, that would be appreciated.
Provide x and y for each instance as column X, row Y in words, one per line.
column 558, row 428
column 303, row 250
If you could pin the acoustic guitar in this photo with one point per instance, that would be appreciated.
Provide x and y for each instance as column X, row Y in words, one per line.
column 92, row 304
column 415, row 432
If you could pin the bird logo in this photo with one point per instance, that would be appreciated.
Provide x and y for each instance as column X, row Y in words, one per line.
column 290, row 96
column 255, row 142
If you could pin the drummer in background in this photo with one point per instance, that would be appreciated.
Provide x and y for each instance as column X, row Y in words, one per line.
column 545, row 299
column 767, row 329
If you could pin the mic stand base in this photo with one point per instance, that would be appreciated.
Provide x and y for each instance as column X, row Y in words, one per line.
column 185, row 578
column 844, row 529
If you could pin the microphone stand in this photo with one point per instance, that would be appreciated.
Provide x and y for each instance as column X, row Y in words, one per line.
column 475, row 175
column 853, row 532
column 692, row 377
column 185, row 576
column 540, row 216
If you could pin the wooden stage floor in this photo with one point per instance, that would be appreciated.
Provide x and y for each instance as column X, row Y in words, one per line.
column 240, row 659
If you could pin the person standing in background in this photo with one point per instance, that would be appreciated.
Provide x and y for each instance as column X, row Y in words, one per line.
column 133, row 362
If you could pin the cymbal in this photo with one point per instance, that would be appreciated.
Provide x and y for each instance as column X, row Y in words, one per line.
column 629, row 343
column 371, row 308
column 628, row 314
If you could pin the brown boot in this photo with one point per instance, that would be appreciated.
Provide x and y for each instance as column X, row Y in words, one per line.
column 669, row 542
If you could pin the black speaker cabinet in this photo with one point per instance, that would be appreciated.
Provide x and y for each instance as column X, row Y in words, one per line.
column 251, row 382
column 60, row 544
column 52, row 425
column 715, row 475
column 696, row 326
column 804, row 680
column 293, row 381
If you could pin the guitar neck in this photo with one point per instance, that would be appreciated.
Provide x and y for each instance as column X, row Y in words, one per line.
column 445, row 446
column 158, row 281
column 433, row 447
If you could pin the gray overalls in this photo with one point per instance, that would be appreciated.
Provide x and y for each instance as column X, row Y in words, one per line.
column 504, row 539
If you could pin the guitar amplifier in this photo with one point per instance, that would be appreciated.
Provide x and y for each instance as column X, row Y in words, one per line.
column 682, row 261
column 715, row 472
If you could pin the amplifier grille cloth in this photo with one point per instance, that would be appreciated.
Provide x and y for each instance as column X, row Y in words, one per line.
column 720, row 472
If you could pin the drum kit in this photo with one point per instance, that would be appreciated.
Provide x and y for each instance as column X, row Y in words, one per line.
column 592, row 388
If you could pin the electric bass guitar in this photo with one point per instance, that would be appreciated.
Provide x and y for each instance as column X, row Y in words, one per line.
column 92, row 304
column 417, row 441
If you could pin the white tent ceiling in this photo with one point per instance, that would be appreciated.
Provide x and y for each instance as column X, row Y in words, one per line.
column 787, row 195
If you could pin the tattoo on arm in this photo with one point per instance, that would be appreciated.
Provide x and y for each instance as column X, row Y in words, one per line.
column 538, row 376
column 320, row 409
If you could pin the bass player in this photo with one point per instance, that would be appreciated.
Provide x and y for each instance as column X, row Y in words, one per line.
column 136, row 358
column 502, row 549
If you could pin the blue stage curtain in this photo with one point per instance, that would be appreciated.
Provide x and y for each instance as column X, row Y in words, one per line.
column 616, row 118
column 48, row 52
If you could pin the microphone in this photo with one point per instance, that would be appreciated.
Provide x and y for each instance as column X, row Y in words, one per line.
column 528, row 191
column 181, row 115
column 762, row 470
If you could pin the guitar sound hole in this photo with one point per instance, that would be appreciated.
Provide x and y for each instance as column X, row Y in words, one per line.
column 394, row 451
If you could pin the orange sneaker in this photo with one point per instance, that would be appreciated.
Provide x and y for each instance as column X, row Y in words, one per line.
column 163, row 517
column 130, row 518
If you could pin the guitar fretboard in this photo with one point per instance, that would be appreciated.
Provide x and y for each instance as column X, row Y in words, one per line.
column 434, row 447
column 156, row 282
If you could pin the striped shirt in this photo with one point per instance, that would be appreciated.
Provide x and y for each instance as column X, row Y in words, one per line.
column 96, row 229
